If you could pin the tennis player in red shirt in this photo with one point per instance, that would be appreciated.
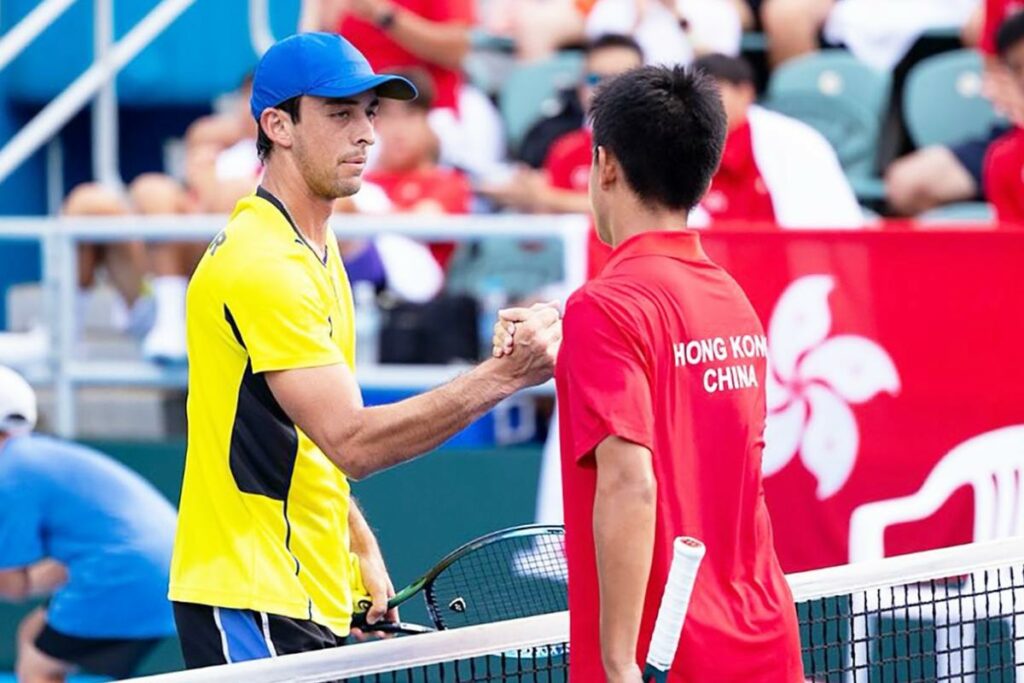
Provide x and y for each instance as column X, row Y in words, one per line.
column 660, row 383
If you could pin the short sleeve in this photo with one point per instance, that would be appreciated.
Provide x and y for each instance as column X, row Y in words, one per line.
column 454, row 193
column 995, row 12
column 278, row 316
column 461, row 11
column 606, row 379
column 21, row 537
column 1003, row 186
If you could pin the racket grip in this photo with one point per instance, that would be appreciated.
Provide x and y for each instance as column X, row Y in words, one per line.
column 687, row 554
column 652, row 675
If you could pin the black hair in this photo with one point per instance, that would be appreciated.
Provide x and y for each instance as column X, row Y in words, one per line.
column 264, row 145
column 734, row 70
column 666, row 127
column 610, row 40
column 1010, row 32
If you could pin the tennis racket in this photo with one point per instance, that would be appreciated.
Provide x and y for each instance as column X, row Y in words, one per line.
column 508, row 574
column 687, row 554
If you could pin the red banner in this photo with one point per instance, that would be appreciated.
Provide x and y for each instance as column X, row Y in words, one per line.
column 896, row 408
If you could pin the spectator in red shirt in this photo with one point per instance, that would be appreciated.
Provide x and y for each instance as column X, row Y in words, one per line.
column 433, row 34
column 1004, row 164
column 661, row 380
column 561, row 187
column 406, row 166
column 938, row 175
column 775, row 169
column 738, row 191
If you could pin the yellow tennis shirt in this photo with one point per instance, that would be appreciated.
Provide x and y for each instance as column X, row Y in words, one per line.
column 263, row 523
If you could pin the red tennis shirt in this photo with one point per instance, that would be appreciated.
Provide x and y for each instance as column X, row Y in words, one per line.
column 663, row 349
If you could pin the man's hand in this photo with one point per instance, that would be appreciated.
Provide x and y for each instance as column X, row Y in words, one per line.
column 378, row 585
column 380, row 589
column 528, row 339
column 503, row 340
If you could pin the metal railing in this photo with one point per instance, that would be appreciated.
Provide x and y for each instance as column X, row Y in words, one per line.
column 96, row 82
column 60, row 237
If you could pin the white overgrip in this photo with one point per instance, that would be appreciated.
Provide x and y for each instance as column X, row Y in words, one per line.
column 687, row 554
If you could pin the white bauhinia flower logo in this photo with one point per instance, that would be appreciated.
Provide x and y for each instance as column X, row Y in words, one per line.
column 812, row 380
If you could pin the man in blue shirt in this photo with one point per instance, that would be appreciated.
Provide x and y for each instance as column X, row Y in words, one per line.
column 88, row 533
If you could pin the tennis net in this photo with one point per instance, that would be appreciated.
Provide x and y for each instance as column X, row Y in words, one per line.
column 955, row 614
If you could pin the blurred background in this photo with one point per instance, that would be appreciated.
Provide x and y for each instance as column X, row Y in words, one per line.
column 869, row 202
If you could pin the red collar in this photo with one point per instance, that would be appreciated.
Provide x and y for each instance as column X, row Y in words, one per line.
column 679, row 244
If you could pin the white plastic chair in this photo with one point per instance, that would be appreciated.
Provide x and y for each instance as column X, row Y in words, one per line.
column 992, row 464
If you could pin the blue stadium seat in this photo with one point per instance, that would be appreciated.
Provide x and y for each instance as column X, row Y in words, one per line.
column 530, row 88
column 943, row 103
column 842, row 98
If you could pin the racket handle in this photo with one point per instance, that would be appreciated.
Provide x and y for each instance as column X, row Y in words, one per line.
column 652, row 675
column 687, row 554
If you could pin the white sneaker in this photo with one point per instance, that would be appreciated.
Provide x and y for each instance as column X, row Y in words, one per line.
column 165, row 344
column 24, row 348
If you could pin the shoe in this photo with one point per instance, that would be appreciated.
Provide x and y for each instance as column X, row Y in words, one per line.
column 165, row 346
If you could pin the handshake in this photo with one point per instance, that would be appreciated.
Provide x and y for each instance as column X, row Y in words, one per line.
column 526, row 342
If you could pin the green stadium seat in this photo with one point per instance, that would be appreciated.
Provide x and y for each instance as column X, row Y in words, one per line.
column 532, row 88
column 844, row 100
column 833, row 74
column 943, row 103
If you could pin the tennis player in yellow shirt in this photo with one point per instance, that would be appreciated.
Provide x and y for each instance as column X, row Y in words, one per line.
column 269, row 542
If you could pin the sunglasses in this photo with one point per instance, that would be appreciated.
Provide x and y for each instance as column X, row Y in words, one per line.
column 593, row 80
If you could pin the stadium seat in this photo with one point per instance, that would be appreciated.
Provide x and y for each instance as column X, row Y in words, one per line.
column 961, row 212
column 942, row 101
column 833, row 74
column 531, row 89
column 842, row 98
column 517, row 267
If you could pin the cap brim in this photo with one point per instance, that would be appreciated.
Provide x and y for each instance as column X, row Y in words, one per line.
column 391, row 87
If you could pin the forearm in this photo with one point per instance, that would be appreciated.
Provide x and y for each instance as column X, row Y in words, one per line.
column 14, row 585
column 443, row 44
column 624, row 521
column 361, row 536
column 557, row 200
column 384, row 436
column 45, row 577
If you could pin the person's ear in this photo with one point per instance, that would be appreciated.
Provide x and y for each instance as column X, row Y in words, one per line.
column 278, row 126
column 607, row 168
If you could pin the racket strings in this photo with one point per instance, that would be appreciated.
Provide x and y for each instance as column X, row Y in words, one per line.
column 510, row 578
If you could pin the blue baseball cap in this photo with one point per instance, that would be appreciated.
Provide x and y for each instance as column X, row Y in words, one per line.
column 322, row 65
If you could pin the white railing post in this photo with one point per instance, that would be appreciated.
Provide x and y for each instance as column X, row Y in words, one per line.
column 67, row 291
column 34, row 23
column 259, row 26
column 69, row 102
column 104, row 108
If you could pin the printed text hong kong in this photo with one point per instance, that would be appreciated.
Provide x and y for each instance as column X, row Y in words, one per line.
column 736, row 349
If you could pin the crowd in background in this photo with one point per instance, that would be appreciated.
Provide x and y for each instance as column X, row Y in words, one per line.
column 452, row 152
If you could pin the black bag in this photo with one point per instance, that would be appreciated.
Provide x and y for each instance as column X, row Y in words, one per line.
column 438, row 332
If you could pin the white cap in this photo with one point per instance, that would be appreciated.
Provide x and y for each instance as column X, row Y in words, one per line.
column 17, row 403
